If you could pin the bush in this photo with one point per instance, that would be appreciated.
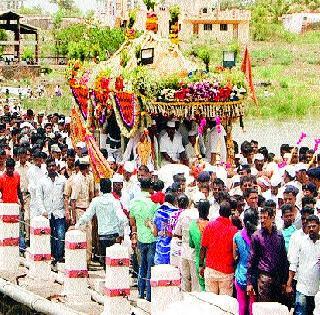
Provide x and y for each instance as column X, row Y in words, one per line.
column 284, row 84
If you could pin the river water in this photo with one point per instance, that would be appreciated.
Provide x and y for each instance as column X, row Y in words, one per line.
column 11, row 307
column 272, row 133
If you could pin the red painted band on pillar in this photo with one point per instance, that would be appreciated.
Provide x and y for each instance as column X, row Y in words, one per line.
column 40, row 230
column 76, row 245
column 116, row 292
column 10, row 241
column 117, row 262
column 12, row 218
column 165, row 283
column 40, row 257
column 76, row 273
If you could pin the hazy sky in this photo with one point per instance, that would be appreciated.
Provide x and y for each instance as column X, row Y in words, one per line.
column 84, row 5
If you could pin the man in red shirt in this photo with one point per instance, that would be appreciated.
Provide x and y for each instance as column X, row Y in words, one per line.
column 216, row 251
column 10, row 184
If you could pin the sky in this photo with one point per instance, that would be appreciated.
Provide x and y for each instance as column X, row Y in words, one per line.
column 84, row 5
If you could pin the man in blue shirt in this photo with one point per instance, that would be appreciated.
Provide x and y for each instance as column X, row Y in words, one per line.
column 288, row 227
column 162, row 228
column 111, row 219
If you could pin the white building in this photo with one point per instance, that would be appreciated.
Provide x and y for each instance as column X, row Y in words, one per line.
column 113, row 13
column 10, row 5
column 299, row 22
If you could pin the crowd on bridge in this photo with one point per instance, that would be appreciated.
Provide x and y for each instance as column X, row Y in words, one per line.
column 247, row 228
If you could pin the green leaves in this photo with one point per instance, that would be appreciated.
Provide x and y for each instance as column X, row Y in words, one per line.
column 82, row 41
column 3, row 36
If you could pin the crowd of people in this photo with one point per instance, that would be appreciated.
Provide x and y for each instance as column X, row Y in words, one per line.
column 248, row 229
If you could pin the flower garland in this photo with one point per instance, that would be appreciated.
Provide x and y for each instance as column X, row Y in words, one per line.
column 81, row 97
column 233, row 110
column 128, row 133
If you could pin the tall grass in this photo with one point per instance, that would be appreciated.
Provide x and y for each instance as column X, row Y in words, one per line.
column 290, row 63
column 52, row 104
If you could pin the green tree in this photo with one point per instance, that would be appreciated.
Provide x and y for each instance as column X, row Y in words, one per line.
column 203, row 52
column 67, row 5
column 83, row 41
column 260, row 23
column 232, row 4
column 174, row 12
column 150, row 4
column 28, row 53
column 36, row 10
column 3, row 36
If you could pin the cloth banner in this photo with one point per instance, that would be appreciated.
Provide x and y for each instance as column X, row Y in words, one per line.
column 81, row 96
column 125, row 102
column 79, row 132
column 77, row 127
column 99, row 164
column 247, row 70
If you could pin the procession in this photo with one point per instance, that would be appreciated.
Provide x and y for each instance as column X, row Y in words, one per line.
column 144, row 193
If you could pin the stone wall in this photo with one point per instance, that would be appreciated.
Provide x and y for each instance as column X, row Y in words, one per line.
column 19, row 71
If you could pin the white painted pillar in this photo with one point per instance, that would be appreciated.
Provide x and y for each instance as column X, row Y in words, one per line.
column 263, row 308
column 117, row 284
column 76, row 272
column 165, row 287
column 40, row 248
column 9, row 236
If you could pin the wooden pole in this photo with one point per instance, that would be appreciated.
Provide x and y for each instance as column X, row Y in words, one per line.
column 37, row 49
column 230, row 145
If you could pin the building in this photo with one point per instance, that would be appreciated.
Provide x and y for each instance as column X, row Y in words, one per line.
column 223, row 26
column 300, row 22
column 198, row 18
column 114, row 13
column 11, row 5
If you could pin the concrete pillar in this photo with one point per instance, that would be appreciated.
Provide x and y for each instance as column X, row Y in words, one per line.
column 262, row 308
column 165, row 287
column 76, row 272
column 40, row 248
column 117, row 284
column 9, row 237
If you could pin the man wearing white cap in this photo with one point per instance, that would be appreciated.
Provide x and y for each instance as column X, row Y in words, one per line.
column 117, row 192
column 191, row 146
column 301, row 179
column 171, row 147
column 112, row 163
column 216, row 143
column 257, row 170
column 273, row 192
column 79, row 147
column 130, row 184
column 81, row 195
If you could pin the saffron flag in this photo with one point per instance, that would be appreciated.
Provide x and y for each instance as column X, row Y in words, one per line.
column 247, row 70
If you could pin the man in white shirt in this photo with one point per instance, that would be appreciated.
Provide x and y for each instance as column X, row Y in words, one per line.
column 130, row 184
column 34, row 173
column 191, row 146
column 171, row 147
column 50, row 196
column 22, row 169
column 190, row 280
column 298, row 236
column 306, row 264
column 216, row 144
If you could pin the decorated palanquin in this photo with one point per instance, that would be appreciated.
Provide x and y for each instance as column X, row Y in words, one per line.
column 169, row 87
